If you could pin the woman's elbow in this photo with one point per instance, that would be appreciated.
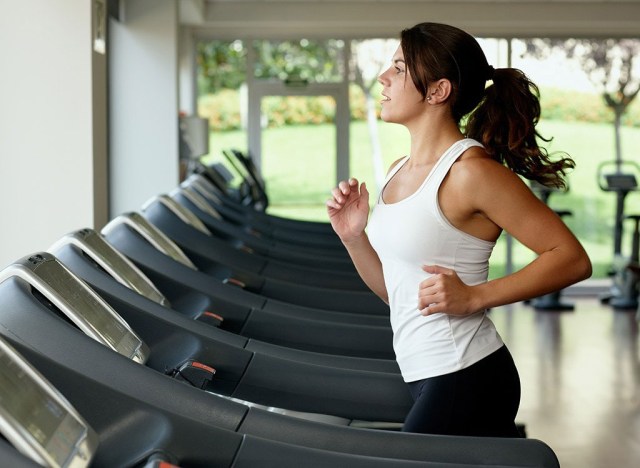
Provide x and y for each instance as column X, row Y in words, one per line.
column 582, row 267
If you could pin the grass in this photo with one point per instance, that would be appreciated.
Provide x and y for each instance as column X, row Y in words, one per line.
column 298, row 164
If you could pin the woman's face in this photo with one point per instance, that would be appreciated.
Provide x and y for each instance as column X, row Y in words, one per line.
column 401, row 101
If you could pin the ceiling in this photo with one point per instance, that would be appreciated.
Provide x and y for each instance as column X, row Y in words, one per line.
column 233, row 19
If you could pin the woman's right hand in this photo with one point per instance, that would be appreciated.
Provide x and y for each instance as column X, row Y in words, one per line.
column 349, row 209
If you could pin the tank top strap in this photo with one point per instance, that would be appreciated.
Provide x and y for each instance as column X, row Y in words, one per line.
column 448, row 158
column 390, row 174
column 395, row 169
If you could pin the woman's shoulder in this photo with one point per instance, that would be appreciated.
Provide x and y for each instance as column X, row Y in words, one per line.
column 476, row 164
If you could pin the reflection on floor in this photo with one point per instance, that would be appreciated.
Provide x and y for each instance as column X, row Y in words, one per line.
column 580, row 376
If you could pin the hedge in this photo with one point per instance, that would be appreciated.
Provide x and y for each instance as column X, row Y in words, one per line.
column 223, row 108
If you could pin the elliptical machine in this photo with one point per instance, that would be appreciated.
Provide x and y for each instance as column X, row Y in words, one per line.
column 551, row 301
column 620, row 177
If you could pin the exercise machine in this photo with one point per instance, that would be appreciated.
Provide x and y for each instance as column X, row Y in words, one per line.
column 621, row 178
column 140, row 414
column 553, row 300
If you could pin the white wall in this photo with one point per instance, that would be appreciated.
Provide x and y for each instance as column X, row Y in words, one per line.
column 46, row 123
column 143, row 77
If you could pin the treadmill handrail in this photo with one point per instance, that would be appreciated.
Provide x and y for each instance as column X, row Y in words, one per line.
column 113, row 262
column 151, row 234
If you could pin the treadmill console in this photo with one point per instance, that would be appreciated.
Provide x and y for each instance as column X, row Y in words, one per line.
column 203, row 187
column 197, row 199
column 182, row 212
column 78, row 302
column 37, row 419
column 119, row 267
column 621, row 182
column 151, row 234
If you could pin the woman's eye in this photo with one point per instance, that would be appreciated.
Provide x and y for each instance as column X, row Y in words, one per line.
column 399, row 70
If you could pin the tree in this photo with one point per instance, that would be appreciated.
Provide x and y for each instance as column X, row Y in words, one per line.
column 221, row 65
column 611, row 67
column 299, row 61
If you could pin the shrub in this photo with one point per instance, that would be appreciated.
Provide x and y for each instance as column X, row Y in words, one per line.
column 575, row 106
column 223, row 108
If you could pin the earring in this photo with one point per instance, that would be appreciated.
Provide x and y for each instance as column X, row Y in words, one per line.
column 428, row 98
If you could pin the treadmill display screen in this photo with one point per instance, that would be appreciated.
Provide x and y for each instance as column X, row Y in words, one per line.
column 90, row 312
column 32, row 411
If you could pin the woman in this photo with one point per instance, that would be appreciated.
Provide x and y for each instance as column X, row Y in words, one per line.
column 435, row 223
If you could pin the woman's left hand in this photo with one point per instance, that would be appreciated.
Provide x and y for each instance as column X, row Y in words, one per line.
column 444, row 292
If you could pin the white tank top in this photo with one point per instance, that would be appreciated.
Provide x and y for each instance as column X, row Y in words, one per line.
column 414, row 232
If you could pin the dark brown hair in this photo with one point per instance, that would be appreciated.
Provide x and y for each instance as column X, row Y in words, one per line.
column 502, row 116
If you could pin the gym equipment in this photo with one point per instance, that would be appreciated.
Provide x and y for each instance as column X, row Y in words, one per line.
column 627, row 277
column 131, row 429
column 245, row 168
column 260, row 221
column 551, row 301
column 37, row 419
column 332, row 259
column 54, row 283
column 292, row 283
column 206, row 250
column 620, row 177
column 259, row 273
column 12, row 457
column 85, row 251
column 253, row 316
column 139, row 413
column 221, row 366
column 131, row 228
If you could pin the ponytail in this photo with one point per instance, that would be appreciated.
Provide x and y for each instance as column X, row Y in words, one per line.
column 504, row 122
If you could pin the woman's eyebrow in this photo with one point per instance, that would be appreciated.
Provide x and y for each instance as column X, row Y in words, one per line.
column 398, row 61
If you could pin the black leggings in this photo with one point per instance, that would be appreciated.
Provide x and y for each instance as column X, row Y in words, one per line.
column 480, row 400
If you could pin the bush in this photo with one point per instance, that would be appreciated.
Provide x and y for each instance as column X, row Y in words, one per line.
column 575, row 106
column 223, row 108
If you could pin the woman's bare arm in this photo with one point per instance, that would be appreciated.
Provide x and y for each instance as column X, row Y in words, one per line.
column 504, row 199
column 348, row 211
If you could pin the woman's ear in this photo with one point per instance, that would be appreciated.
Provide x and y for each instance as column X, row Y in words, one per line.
column 439, row 91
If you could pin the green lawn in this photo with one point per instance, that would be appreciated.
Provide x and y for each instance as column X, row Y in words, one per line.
column 299, row 169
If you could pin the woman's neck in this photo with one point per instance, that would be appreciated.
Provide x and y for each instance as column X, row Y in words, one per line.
column 431, row 138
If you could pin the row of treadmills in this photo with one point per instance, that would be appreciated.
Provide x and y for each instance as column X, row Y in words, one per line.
column 203, row 332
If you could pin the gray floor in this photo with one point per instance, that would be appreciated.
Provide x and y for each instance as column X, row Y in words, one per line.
column 580, row 376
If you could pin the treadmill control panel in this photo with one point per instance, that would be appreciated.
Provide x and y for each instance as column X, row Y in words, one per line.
column 113, row 262
column 151, row 234
column 78, row 302
column 37, row 419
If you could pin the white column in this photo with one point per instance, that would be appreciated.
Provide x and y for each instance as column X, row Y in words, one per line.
column 143, row 109
column 47, row 139
column 188, row 102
